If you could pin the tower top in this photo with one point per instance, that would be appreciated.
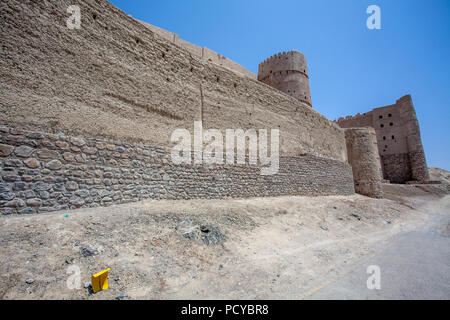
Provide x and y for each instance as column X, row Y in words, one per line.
column 283, row 61
column 287, row 72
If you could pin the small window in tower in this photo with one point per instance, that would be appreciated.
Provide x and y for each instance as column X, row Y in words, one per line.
column 381, row 117
column 384, row 138
column 391, row 124
column 389, row 115
column 382, row 125
column 393, row 137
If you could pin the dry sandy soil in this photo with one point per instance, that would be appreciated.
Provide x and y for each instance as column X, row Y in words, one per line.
column 437, row 174
column 260, row 248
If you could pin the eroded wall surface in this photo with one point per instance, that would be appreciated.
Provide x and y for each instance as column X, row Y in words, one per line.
column 116, row 77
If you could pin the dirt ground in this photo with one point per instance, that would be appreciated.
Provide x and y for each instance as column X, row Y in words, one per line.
column 260, row 248
column 438, row 174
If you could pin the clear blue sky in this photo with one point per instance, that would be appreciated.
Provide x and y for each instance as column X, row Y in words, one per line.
column 352, row 69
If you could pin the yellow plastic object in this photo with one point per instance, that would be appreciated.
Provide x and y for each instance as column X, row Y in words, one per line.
column 100, row 281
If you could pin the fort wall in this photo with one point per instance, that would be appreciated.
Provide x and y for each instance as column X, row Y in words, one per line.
column 117, row 78
column 116, row 82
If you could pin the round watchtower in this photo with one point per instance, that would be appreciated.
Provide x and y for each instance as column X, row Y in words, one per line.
column 287, row 72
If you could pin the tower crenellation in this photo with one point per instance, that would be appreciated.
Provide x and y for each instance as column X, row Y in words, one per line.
column 287, row 72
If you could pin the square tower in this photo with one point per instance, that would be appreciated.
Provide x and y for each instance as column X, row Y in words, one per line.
column 398, row 139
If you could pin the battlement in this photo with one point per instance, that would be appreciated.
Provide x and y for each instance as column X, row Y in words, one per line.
column 355, row 117
column 405, row 99
column 278, row 56
column 293, row 61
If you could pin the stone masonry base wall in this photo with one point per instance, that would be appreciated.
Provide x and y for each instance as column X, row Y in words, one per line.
column 43, row 172
column 419, row 168
column 401, row 168
column 396, row 167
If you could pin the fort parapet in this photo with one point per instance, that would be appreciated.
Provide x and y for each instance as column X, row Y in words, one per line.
column 202, row 52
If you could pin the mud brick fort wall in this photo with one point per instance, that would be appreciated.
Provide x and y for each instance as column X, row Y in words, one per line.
column 87, row 116
column 115, row 77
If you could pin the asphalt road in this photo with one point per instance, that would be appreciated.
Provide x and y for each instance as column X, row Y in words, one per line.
column 416, row 265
